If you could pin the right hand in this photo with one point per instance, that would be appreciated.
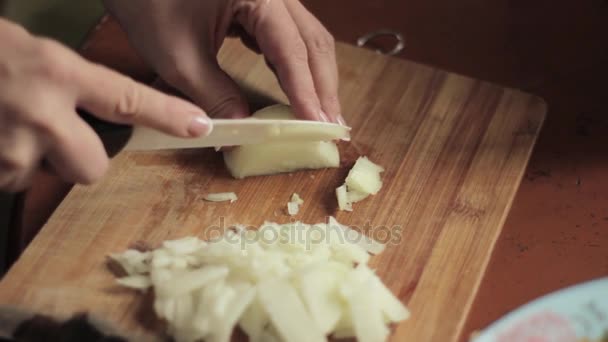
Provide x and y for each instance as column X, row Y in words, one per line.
column 180, row 39
column 41, row 85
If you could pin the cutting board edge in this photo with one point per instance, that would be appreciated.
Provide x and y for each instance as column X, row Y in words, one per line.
column 542, row 112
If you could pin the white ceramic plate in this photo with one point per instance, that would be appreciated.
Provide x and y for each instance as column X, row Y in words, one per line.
column 577, row 313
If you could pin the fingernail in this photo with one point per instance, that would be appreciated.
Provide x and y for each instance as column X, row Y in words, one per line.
column 200, row 125
column 341, row 120
column 323, row 116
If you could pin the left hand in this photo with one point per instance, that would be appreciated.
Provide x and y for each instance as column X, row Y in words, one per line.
column 181, row 39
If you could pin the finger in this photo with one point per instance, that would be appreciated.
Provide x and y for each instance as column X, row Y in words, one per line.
column 117, row 98
column 20, row 152
column 208, row 85
column 247, row 39
column 8, row 176
column 17, row 180
column 321, row 58
column 280, row 41
column 76, row 153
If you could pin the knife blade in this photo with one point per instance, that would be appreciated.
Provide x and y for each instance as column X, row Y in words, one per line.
column 235, row 132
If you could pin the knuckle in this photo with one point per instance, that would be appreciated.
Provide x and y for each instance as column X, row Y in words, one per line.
column 53, row 64
column 17, row 183
column 10, row 184
column 321, row 42
column 226, row 105
column 14, row 34
column 48, row 47
column 10, row 27
column 250, row 5
column 47, row 130
column 300, row 55
column 43, row 124
column 252, row 11
column 81, row 158
column 178, row 72
column 12, row 162
column 96, row 173
column 257, row 3
column 130, row 100
column 18, row 153
column 8, row 164
column 332, row 100
column 296, row 54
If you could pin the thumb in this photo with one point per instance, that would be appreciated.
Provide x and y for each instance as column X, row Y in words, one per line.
column 213, row 90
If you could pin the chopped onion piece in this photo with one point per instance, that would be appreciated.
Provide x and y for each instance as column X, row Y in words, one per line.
column 366, row 314
column 342, row 196
column 138, row 282
column 293, row 208
column 286, row 310
column 354, row 196
column 189, row 281
column 221, row 197
column 295, row 198
column 368, row 244
column 184, row 309
column 362, row 180
column 344, row 332
column 132, row 261
column 234, row 311
column 365, row 163
column 392, row 308
column 279, row 157
column 183, row 246
column 318, row 288
column 270, row 335
column 254, row 320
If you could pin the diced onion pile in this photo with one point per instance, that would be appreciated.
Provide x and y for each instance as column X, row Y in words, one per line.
column 362, row 180
column 290, row 282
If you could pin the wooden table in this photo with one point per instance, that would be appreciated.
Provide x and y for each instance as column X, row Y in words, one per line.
column 554, row 233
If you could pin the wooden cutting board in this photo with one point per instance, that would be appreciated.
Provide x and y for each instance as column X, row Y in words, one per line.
column 454, row 150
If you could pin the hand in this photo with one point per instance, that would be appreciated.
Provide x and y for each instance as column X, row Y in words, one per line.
column 41, row 85
column 181, row 39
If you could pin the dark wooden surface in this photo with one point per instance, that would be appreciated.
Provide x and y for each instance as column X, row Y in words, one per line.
column 557, row 230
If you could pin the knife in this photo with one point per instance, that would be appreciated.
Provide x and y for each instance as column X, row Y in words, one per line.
column 235, row 132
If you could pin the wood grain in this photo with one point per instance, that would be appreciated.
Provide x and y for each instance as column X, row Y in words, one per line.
column 454, row 150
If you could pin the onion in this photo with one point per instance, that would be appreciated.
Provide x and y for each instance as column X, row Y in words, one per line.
column 279, row 157
column 281, row 282
column 362, row 180
column 293, row 206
